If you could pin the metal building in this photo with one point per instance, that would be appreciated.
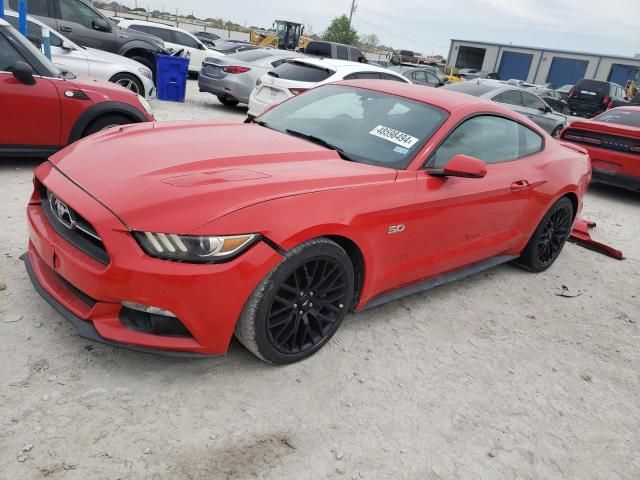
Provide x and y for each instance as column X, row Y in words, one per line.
column 541, row 65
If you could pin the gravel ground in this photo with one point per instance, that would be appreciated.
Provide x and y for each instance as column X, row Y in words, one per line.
column 494, row 377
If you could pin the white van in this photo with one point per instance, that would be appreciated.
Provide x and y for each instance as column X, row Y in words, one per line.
column 175, row 39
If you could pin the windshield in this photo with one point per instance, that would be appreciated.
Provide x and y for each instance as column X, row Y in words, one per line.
column 366, row 126
column 621, row 116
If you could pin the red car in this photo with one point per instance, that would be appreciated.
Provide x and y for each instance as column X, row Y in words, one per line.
column 44, row 109
column 613, row 142
column 174, row 236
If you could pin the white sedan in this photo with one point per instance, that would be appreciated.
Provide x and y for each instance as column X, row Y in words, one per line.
column 298, row 75
column 89, row 62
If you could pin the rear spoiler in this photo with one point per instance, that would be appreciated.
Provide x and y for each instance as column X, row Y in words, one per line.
column 574, row 147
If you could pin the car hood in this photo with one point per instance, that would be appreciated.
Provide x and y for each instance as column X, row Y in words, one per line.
column 176, row 177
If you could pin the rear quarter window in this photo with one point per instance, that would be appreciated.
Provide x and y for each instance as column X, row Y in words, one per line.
column 301, row 72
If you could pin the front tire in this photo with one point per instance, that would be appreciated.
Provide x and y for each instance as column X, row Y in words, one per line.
column 549, row 238
column 299, row 305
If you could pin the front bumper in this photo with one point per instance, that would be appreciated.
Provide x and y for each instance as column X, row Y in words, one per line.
column 207, row 299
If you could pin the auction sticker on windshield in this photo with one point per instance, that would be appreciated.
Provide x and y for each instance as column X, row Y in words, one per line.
column 395, row 136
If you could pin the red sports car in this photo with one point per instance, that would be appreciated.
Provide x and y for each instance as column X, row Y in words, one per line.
column 44, row 109
column 175, row 236
column 613, row 142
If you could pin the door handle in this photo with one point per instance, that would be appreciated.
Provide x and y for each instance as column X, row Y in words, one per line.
column 520, row 185
column 66, row 29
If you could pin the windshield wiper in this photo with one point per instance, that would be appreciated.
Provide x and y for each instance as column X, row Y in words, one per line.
column 320, row 141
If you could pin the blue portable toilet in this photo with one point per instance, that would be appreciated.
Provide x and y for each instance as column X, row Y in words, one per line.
column 171, row 77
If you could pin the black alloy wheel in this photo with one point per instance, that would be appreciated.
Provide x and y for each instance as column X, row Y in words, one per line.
column 307, row 305
column 298, row 306
column 549, row 238
column 555, row 232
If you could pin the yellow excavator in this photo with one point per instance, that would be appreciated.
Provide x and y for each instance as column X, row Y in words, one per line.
column 285, row 35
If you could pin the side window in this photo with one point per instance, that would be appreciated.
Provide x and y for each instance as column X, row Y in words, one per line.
column 510, row 97
column 78, row 12
column 139, row 28
column 491, row 139
column 531, row 101
column 431, row 78
column 419, row 77
column 185, row 40
column 342, row 52
column 388, row 76
column 34, row 7
column 35, row 30
column 357, row 55
column 319, row 48
column 164, row 34
column 8, row 55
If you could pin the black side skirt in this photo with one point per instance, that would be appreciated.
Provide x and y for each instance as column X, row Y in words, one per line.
column 87, row 330
column 439, row 280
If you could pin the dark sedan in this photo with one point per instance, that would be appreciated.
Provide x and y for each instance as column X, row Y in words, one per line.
column 515, row 98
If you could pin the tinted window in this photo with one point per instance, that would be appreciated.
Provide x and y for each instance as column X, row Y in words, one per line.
column 185, row 40
column 620, row 116
column 531, row 101
column 78, row 12
column 250, row 56
column 301, row 72
column 34, row 7
column 510, row 97
column 594, row 86
column 320, row 49
column 431, row 78
column 357, row 55
column 363, row 76
column 369, row 126
column 8, row 55
column 419, row 77
column 491, row 139
column 388, row 76
column 342, row 52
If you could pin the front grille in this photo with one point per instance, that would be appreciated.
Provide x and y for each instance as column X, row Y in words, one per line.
column 74, row 228
column 609, row 142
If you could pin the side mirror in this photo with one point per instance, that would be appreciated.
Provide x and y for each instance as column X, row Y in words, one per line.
column 101, row 25
column 36, row 40
column 461, row 166
column 66, row 45
column 24, row 73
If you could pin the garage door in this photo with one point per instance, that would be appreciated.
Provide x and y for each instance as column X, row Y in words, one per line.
column 515, row 65
column 470, row 57
column 621, row 73
column 566, row 71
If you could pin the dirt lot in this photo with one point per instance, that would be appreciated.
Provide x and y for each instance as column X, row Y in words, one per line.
column 495, row 377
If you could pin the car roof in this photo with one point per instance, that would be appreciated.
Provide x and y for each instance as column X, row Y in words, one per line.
column 332, row 43
column 153, row 24
column 447, row 100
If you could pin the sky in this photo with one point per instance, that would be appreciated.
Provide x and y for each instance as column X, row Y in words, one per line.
column 609, row 27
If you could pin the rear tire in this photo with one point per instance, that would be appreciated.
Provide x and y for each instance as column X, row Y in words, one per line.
column 130, row 82
column 549, row 238
column 299, row 305
column 105, row 122
column 228, row 102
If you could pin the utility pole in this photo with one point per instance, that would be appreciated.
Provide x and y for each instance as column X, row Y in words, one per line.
column 354, row 5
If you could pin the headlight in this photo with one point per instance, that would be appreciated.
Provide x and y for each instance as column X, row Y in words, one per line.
column 194, row 249
column 146, row 105
column 146, row 72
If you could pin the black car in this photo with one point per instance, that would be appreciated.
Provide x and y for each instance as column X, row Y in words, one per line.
column 207, row 38
column 589, row 98
column 87, row 26
column 552, row 97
